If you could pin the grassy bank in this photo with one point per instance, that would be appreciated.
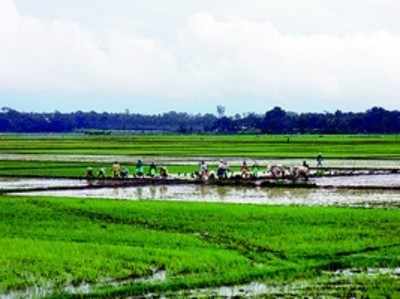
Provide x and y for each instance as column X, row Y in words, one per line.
column 65, row 241
column 263, row 146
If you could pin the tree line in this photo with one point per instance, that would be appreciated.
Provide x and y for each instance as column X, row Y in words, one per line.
column 274, row 121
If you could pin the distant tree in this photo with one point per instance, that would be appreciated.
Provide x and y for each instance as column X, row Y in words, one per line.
column 379, row 120
column 221, row 111
column 275, row 121
column 225, row 125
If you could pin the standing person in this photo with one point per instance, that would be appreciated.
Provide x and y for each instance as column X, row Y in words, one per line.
column 222, row 170
column 320, row 159
column 203, row 169
column 116, row 170
column 139, row 169
column 152, row 170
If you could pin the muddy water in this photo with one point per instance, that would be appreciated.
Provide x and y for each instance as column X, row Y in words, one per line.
column 22, row 183
column 331, row 285
column 229, row 194
column 81, row 289
column 387, row 180
column 195, row 160
column 274, row 196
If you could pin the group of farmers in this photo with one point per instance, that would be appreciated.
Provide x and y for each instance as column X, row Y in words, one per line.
column 223, row 171
column 122, row 172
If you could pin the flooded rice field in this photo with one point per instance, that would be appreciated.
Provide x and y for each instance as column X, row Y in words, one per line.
column 25, row 183
column 330, row 285
column 231, row 194
column 81, row 289
column 386, row 180
column 240, row 195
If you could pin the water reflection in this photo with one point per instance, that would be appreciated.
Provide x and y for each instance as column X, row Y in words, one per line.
column 390, row 180
column 24, row 183
column 234, row 194
column 273, row 196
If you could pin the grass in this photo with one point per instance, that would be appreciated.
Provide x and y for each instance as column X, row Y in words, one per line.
column 261, row 146
column 62, row 241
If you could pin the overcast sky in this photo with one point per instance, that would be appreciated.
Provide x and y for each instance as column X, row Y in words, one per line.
column 153, row 56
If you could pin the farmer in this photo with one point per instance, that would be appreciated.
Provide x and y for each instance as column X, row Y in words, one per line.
column 222, row 171
column 254, row 170
column 301, row 172
column 320, row 159
column 101, row 174
column 116, row 170
column 139, row 169
column 125, row 173
column 245, row 171
column 152, row 170
column 203, row 169
column 89, row 173
column 163, row 172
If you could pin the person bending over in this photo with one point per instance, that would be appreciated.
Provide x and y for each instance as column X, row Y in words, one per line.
column 139, row 169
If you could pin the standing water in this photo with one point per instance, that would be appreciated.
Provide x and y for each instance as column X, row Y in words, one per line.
column 232, row 194
column 242, row 195
column 24, row 183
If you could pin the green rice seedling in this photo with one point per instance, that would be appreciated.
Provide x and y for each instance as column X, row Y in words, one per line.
column 62, row 241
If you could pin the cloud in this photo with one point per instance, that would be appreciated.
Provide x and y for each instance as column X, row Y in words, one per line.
column 38, row 55
column 240, row 56
column 234, row 60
